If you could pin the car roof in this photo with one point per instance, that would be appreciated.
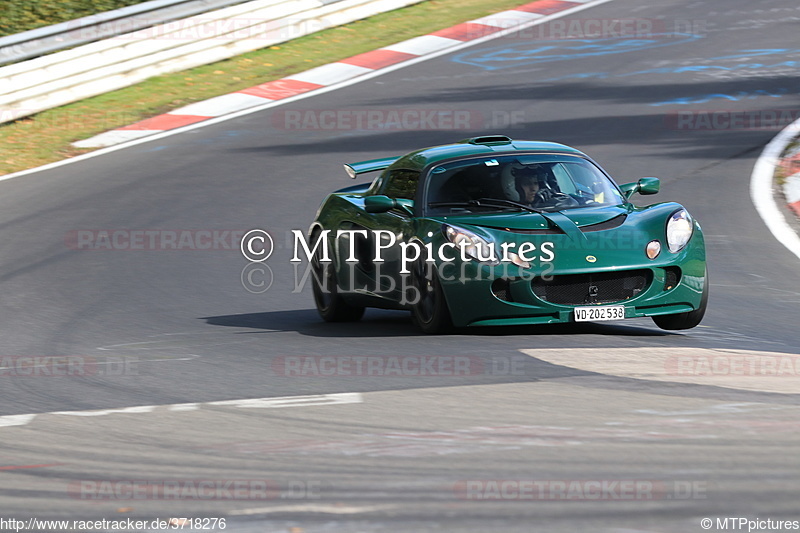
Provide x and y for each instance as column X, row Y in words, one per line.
column 486, row 145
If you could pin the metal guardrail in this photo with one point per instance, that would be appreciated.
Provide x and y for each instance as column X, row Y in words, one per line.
column 53, row 80
column 48, row 39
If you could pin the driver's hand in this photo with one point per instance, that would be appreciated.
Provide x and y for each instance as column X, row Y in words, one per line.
column 550, row 198
column 544, row 195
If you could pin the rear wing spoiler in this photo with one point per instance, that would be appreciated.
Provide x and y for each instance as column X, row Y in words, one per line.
column 354, row 169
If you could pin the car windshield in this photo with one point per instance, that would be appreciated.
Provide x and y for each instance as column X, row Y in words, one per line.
column 518, row 182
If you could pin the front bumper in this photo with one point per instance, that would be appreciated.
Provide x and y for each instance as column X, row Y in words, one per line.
column 475, row 297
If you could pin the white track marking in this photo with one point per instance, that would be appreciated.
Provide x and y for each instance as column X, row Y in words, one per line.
column 315, row 508
column 248, row 403
column 285, row 101
column 761, row 189
column 112, row 137
column 425, row 44
column 15, row 420
column 330, row 74
column 102, row 412
column 292, row 401
column 184, row 407
column 506, row 19
column 219, row 105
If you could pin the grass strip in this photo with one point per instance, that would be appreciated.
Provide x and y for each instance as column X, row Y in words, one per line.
column 19, row 16
column 47, row 136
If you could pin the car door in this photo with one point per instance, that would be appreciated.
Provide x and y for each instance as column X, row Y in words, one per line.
column 383, row 279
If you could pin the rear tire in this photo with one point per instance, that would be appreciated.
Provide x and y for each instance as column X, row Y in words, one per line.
column 430, row 312
column 686, row 320
column 330, row 304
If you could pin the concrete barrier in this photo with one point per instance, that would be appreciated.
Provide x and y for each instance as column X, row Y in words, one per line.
column 110, row 64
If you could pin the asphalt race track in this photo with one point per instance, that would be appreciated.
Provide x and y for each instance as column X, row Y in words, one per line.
column 171, row 352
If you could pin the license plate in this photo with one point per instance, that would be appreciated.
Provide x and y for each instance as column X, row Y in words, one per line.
column 599, row 312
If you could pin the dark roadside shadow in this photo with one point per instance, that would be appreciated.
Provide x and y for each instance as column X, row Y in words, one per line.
column 380, row 323
column 654, row 125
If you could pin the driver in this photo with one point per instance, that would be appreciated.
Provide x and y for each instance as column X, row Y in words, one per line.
column 532, row 185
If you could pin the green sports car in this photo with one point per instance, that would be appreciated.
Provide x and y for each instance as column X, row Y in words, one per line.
column 492, row 231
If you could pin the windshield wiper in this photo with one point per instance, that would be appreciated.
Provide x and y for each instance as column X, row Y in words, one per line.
column 483, row 202
column 552, row 217
column 488, row 202
column 509, row 203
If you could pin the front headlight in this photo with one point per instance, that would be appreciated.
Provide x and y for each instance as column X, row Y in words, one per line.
column 679, row 230
column 474, row 245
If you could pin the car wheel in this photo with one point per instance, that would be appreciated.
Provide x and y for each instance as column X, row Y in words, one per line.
column 686, row 320
column 330, row 304
column 430, row 307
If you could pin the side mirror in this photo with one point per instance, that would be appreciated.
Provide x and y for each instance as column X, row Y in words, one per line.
column 382, row 204
column 643, row 186
column 649, row 185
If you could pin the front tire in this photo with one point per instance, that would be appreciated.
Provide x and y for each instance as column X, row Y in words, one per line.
column 330, row 304
column 430, row 309
column 686, row 320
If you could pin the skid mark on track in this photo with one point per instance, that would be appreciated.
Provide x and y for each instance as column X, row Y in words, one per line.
column 181, row 340
column 723, row 336
column 722, row 408
column 27, row 467
column 481, row 439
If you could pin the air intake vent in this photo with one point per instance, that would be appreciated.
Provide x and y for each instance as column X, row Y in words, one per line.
column 608, row 224
column 501, row 288
column 540, row 231
column 595, row 288
column 671, row 278
column 489, row 140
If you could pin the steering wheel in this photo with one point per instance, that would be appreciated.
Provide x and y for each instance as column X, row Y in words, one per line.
column 556, row 199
